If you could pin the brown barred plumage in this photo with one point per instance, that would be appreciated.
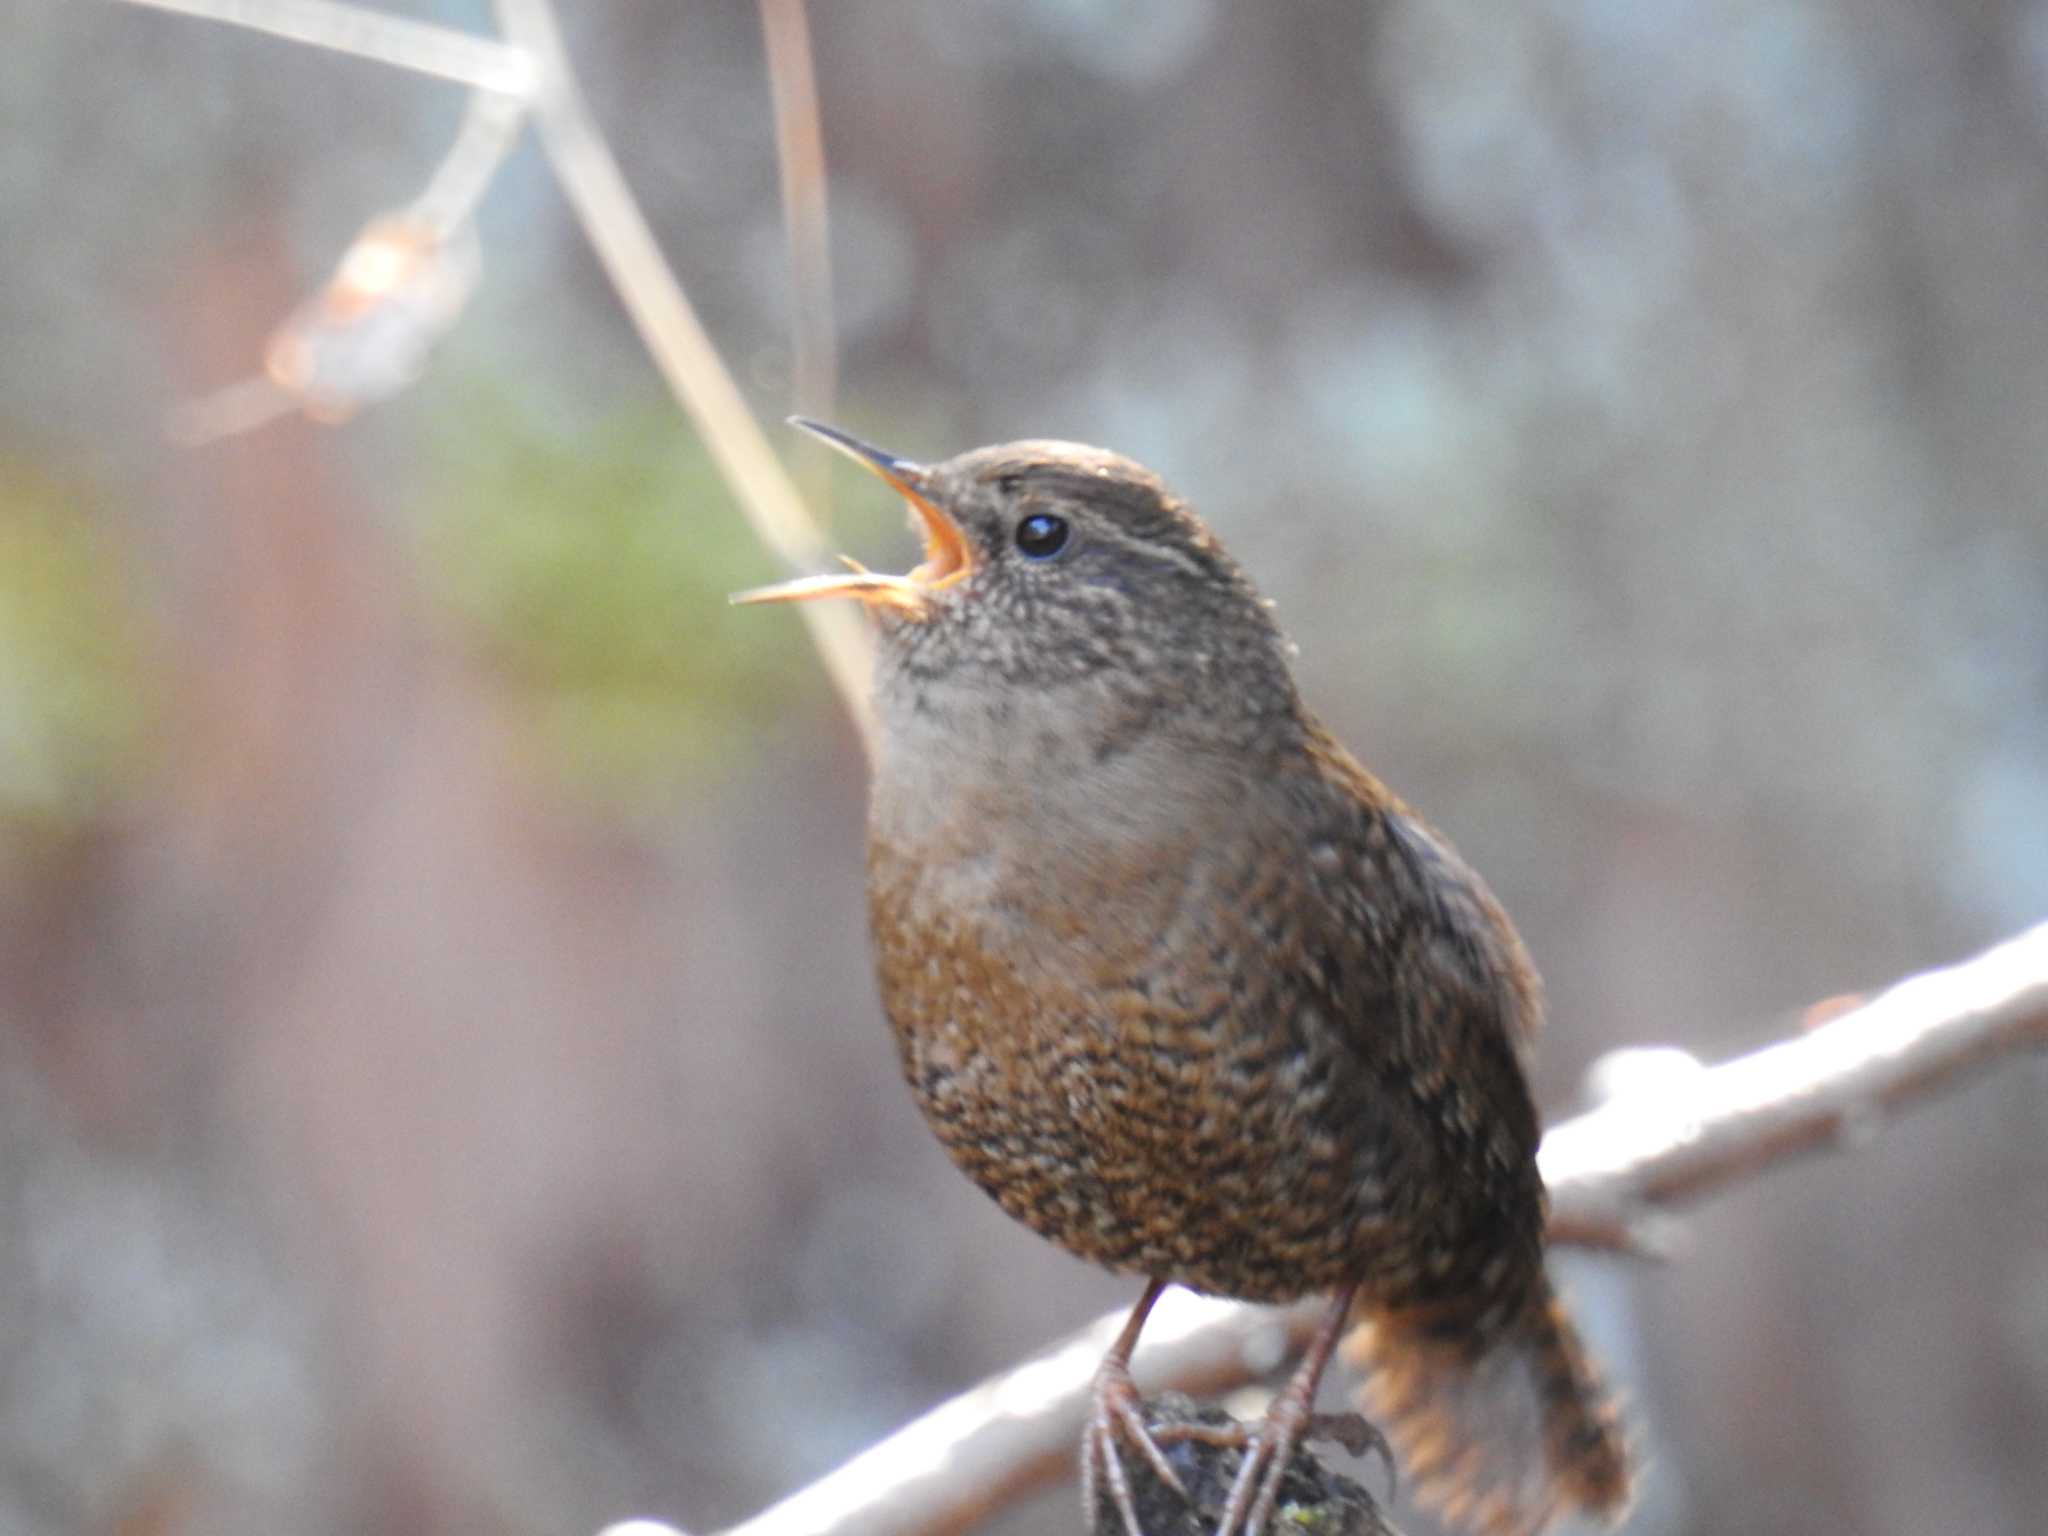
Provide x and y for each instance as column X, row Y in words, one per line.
column 1185, row 989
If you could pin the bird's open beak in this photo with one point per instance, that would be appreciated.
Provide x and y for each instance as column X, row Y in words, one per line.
column 948, row 558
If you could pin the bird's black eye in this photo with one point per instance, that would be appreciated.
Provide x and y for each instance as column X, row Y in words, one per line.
column 1041, row 536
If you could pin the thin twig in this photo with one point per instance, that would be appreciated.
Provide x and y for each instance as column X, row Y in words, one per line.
column 490, row 128
column 398, row 288
column 530, row 63
column 1607, row 1170
column 420, row 46
column 676, row 338
column 800, row 160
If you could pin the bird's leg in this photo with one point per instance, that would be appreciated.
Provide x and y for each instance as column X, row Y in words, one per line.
column 1114, row 1412
column 1291, row 1419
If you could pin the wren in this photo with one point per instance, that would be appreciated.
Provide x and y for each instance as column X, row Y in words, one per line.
column 1190, row 992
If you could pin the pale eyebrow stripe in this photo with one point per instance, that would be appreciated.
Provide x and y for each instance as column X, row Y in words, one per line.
column 1077, row 483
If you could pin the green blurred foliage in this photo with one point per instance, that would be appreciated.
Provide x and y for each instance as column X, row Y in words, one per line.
column 591, row 572
column 73, row 699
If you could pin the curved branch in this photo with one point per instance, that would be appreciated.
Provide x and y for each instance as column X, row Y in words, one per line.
column 1697, row 1130
column 531, row 68
column 800, row 161
column 420, row 46
column 676, row 339
column 1653, row 1147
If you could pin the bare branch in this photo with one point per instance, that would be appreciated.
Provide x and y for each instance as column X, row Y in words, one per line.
column 676, row 338
column 800, row 157
column 1690, row 1133
column 399, row 288
column 1015, row 1432
column 490, row 129
column 420, row 46
column 531, row 65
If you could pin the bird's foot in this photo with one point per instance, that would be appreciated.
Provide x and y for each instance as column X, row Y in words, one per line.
column 1115, row 1414
column 1350, row 1432
column 1269, row 1447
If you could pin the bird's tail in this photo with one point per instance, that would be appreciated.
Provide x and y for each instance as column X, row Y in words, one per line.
column 1503, row 1437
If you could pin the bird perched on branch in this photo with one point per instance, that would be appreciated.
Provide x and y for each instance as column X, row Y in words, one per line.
column 1188, row 991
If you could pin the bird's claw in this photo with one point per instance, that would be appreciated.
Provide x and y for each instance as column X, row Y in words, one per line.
column 1115, row 1413
column 1269, row 1449
column 1352, row 1432
column 1255, row 1491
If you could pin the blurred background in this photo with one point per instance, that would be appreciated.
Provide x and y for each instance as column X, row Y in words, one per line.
column 441, row 1085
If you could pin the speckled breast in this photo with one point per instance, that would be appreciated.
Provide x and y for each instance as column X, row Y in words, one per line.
column 1131, row 1116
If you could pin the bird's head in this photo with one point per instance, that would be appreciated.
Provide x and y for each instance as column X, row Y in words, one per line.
column 1048, row 563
